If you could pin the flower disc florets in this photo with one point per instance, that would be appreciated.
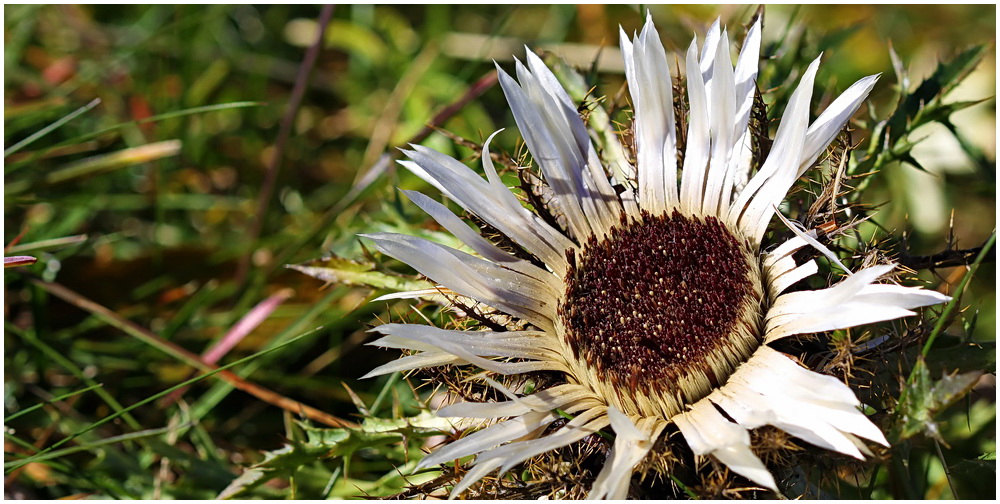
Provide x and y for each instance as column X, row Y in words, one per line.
column 667, row 306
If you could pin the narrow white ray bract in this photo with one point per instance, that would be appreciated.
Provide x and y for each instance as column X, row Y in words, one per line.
column 606, row 208
column 516, row 428
column 771, row 389
column 825, row 128
column 464, row 347
column 722, row 125
column 698, row 137
column 507, row 456
column 491, row 201
column 558, row 141
column 514, row 293
column 632, row 444
column 707, row 432
column 476, row 242
column 854, row 301
column 746, row 84
column 768, row 187
column 653, row 102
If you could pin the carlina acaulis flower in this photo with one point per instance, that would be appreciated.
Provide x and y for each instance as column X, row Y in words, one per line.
column 657, row 301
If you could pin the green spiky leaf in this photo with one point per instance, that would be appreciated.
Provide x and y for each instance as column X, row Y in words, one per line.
column 322, row 444
column 949, row 74
column 337, row 270
column 924, row 104
column 927, row 397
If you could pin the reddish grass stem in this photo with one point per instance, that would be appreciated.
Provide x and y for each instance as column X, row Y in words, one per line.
column 284, row 132
column 241, row 329
column 190, row 358
column 15, row 261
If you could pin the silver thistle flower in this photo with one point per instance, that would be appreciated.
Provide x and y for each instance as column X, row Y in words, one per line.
column 656, row 302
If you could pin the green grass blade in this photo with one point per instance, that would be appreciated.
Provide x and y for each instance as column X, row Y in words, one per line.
column 50, row 401
column 957, row 295
column 944, row 318
column 114, row 160
column 219, row 391
column 50, row 128
column 132, row 436
column 43, row 245
column 391, row 382
column 28, row 446
column 160, row 117
column 163, row 117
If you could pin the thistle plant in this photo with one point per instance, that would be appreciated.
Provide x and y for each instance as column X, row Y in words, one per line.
column 509, row 252
column 678, row 304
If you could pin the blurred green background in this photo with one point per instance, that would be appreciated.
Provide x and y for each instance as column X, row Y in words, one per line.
column 154, row 217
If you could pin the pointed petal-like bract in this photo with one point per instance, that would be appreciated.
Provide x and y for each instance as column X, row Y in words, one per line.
column 756, row 203
column 492, row 202
column 557, row 139
column 825, row 128
column 653, row 101
column 707, row 62
column 722, row 116
column 632, row 443
column 484, row 281
column 854, row 301
column 509, row 455
column 458, row 228
column 771, row 389
column 606, row 207
column 698, row 137
column 746, row 84
column 707, row 432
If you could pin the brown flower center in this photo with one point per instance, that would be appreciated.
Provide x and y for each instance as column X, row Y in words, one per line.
column 667, row 306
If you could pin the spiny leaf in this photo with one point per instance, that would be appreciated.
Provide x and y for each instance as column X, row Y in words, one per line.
column 912, row 161
column 282, row 462
column 975, row 152
column 924, row 105
column 902, row 75
column 982, row 463
column 946, row 110
column 925, row 398
column 337, row 270
column 321, row 443
column 947, row 76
